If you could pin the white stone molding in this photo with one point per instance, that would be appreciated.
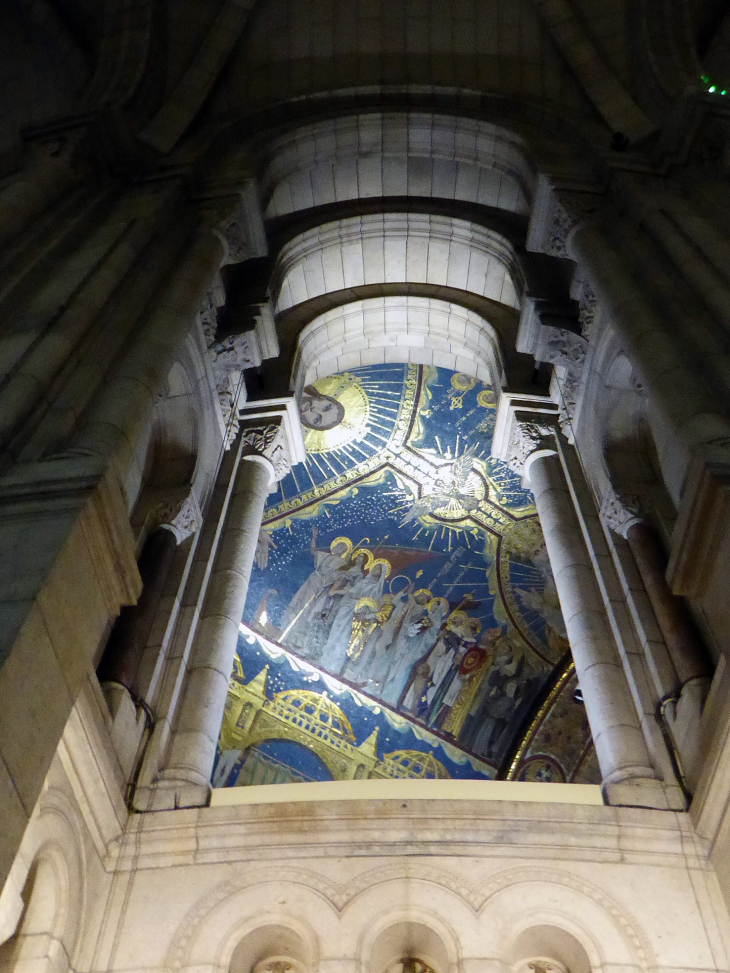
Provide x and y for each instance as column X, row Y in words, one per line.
column 396, row 154
column 421, row 330
column 620, row 511
column 396, row 248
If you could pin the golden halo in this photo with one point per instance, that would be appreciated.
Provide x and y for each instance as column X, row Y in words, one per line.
column 463, row 383
column 486, row 398
column 356, row 552
column 382, row 560
column 435, row 601
column 423, row 591
column 457, row 616
column 341, row 540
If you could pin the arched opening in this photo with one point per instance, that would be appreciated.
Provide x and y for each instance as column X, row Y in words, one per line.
column 548, row 949
column 409, row 947
column 274, row 948
column 38, row 935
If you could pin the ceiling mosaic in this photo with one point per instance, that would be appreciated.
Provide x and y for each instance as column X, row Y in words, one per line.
column 402, row 620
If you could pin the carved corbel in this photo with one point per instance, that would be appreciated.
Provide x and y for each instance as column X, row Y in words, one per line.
column 560, row 347
column 243, row 234
column 555, row 215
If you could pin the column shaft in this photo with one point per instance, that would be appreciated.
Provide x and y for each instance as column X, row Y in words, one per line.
column 683, row 644
column 209, row 673
column 128, row 639
column 619, row 741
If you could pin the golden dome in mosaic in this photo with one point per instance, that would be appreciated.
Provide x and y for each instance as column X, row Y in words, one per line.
column 413, row 763
column 319, row 708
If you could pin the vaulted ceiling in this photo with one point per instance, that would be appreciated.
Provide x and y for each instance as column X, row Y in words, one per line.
column 169, row 66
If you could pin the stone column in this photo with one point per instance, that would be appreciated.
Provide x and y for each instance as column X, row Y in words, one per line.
column 689, row 656
column 527, row 441
column 617, row 735
column 270, row 442
column 172, row 523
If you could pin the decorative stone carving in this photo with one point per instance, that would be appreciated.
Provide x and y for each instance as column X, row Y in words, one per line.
column 234, row 354
column 270, row 442
column 563, row 348
column 567, row 351
column 588, row 308
column 557, row 234
column 179, row 515
column 278, row 964
column 244, row 233
column 525, row 438
column 621, row 511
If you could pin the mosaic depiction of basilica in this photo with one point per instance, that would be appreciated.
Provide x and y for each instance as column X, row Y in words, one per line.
column 402, row 620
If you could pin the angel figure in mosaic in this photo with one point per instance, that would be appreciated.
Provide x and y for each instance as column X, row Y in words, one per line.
column 500, row 704
column 376, row 660
column 310, row 599
column 461, row 635
column 417, row 636
column 363, row 581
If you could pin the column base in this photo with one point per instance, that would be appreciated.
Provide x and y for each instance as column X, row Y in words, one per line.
column 169, row 795
column 684, row 720
column 639, row 792
column 127, row 726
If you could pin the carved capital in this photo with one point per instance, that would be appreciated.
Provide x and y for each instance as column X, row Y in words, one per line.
column 272, row 431
column 527, row 437
column 524, row 424
column 620, row 511
column 180, row 515
column 555, row 214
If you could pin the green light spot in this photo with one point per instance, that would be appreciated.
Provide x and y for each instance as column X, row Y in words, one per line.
column 712, row 90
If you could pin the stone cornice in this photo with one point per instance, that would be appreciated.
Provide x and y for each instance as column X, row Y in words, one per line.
column 392, row 828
